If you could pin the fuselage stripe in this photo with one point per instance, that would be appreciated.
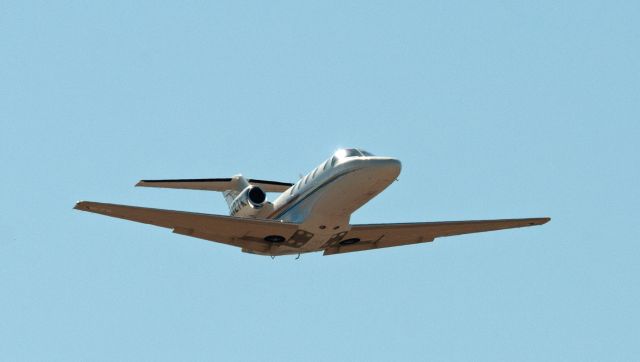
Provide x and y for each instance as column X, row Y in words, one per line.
column 299, row 198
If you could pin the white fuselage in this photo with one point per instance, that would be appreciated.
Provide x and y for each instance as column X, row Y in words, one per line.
column 322, row 201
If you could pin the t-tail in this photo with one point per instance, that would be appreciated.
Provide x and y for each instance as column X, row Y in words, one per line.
column 245, row 197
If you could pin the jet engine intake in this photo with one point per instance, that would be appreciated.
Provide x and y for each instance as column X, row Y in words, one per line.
column 256, row 196
column 250, row 202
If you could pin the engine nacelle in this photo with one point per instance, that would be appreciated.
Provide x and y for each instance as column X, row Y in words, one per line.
column 251, row 202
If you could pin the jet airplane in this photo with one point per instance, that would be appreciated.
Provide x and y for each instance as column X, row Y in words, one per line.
column 311, row 215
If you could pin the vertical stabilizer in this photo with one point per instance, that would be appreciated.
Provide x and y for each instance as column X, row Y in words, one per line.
column 236, row 185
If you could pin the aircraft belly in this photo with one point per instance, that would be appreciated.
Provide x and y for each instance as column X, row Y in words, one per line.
column 326, row 213
column 347, row 194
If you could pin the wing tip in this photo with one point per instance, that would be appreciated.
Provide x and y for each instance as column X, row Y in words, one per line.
column 91, row 206
column 80, row 205
column 538, row 221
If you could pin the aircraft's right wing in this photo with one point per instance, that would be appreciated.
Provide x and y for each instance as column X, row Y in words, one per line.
column 375, row 236
column 244, row 233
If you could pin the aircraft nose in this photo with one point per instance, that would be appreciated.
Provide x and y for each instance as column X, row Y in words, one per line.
column 388, row 165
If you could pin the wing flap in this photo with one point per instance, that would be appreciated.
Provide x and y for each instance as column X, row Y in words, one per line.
column 376, row 236
column 240, row 232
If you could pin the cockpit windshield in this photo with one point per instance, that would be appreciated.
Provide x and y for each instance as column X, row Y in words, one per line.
column 348, row 152
column 351, row 152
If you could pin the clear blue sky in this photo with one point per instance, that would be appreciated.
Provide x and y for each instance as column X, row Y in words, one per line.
column 496, row 109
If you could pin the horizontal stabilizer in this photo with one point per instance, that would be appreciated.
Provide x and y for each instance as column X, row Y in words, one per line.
column 214, row 184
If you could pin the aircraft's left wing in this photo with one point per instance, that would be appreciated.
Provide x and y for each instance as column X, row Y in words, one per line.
column 375, row 236
column 245, row 233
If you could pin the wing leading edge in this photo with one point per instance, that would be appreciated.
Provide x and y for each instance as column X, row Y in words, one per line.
column 376, row 236
column 244, row 233
column 249, row 234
